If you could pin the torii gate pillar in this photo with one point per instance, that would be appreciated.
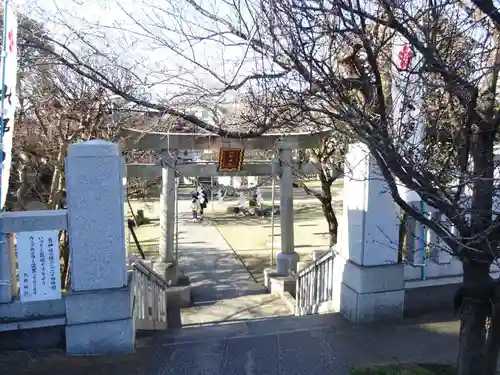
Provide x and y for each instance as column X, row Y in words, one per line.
column 287, row 259
column 165, row 265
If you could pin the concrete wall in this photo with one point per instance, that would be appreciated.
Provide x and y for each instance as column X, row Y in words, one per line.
column 429, row 299
column 435, row 292
column 32, row 325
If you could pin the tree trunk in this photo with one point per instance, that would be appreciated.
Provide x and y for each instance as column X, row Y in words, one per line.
column 331, row 219
column 57, row 178
column 492, row 348
column 64, row 245
column 326, row 205
column 475, row 310
column 325, row 197
column 477, row 286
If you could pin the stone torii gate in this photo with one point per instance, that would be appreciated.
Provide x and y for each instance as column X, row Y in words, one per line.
column 170, row 143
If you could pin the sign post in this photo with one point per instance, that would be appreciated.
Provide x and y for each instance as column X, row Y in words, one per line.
column 8, row 99
column 8, row 61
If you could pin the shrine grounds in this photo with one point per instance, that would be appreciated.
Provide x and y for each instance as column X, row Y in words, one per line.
column 250, row 237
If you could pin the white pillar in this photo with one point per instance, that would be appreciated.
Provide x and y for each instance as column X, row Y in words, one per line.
column 167, row 209
column 287, row 259
column 368, row 281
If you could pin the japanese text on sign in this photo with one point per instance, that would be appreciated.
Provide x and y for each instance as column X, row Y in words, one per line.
column 39, row 271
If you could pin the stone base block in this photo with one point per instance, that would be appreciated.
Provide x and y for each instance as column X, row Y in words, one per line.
column 371, row 307
column 282, row 284
column 286, row 262
column 367, row 294
column 368, row 279
column 268, row 273
column 8, row 281
column 179, row 296
column 98, row 306
column 31, row 323
column 113, row 337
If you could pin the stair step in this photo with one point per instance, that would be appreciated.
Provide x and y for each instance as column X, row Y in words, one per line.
column 241, row 329
column 245, row 307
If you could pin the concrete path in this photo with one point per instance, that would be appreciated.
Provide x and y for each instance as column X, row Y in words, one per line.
column 313, row 345
column 222, row 288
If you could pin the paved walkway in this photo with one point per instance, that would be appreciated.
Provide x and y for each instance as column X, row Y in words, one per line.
column 222, row 288
column 325, row 345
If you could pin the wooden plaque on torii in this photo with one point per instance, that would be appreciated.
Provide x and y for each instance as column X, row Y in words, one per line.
column 230, row 159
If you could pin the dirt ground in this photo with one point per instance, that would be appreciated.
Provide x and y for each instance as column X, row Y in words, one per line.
column 251, row 237
column 147, row 234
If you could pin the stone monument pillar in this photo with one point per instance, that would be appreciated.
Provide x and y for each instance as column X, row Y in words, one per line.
column 98, row 305
column 287, row 259
column 165, row 264
column 368, row 281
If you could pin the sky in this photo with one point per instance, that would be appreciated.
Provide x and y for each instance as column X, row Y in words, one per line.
column 135, row 32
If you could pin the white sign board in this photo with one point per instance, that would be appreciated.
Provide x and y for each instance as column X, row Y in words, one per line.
column 39, row 270
column 10, row 99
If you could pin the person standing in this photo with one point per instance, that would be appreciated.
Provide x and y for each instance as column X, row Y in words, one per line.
column 203, row 200
column 195, row 207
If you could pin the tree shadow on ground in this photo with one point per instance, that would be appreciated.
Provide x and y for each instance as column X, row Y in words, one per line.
column 262, row 306
column 256, row 261
column 284, row 344
column 301, row 213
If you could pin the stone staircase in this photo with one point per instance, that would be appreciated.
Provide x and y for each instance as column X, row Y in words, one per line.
column 299, row 345
column 242, row 308
column 295, row 345
column 279, row 345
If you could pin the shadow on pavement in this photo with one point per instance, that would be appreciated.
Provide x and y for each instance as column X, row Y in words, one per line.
column 279, row 346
